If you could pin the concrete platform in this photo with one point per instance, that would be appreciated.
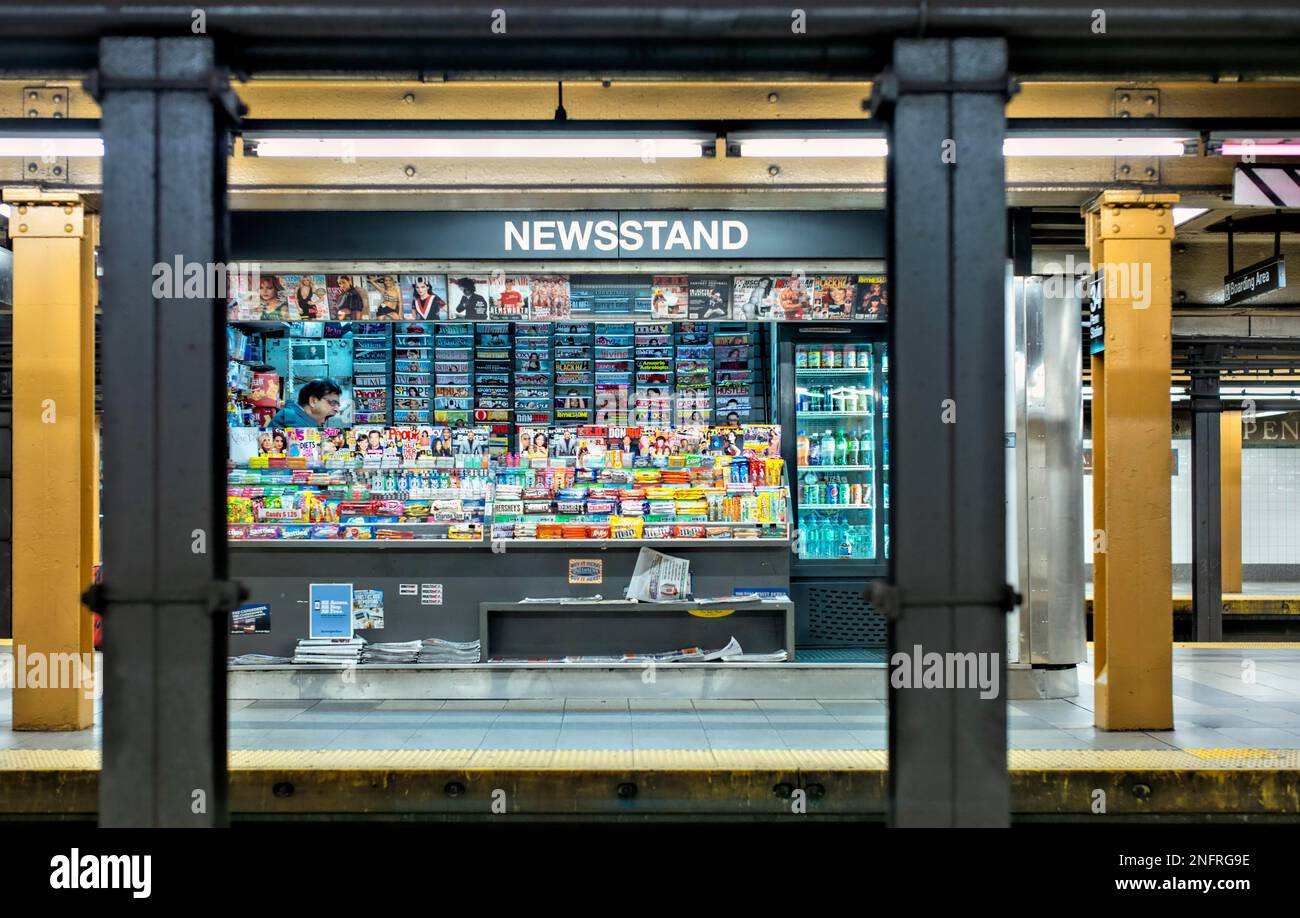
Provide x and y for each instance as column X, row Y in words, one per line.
column 1233, row 754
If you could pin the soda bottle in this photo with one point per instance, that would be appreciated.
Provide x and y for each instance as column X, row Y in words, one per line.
column 828, row 358
column 814, row 451
column 837, row 359
column 828, row 448
column 814, row 358
column 801, row 357
column 854, row 450
column 850, row 357
column 864, row 448
column 841, row 448
column 802, row 446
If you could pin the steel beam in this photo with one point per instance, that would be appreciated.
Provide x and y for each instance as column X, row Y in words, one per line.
column 1230, row 503
column 164, row 760
column 1129, row 235
column 944, row 102
column 53, row 480
column 1207, row 549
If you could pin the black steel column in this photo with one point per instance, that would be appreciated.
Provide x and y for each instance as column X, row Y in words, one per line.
column 1207, row 511
column 944, row 101
column 165, row 595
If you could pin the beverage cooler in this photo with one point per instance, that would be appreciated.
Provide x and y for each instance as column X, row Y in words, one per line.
column 833, row 400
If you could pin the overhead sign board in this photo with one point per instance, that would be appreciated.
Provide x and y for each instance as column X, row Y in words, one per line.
column 268, row 236
column 1253, row 280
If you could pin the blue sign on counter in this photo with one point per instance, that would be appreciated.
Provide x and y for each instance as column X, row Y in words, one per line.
column 331, row 610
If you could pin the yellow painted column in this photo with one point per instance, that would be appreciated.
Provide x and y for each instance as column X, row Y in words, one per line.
column 1129, row 235
column 53, row 409
column 1230, row 500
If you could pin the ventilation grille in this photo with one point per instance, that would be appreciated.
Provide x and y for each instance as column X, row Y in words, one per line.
column 843, row 618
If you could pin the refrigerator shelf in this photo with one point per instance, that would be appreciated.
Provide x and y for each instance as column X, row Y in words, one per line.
column 814, row 415
column 832, row 371
column 837, row 468
column 836, row 507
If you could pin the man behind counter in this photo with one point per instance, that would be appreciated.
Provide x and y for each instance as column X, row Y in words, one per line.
column 318, row 401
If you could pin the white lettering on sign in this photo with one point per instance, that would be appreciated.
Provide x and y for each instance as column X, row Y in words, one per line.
column 631, row 235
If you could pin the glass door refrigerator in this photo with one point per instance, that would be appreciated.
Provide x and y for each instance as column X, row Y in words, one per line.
column 832, row 398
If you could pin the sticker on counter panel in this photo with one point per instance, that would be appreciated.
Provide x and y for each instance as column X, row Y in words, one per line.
column 331, row 610
column 253, row 619
column 586, row 570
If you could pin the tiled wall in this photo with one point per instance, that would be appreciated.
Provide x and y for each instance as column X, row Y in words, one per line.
column 1270, row 505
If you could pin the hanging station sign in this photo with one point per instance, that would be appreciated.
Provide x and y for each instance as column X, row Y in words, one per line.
column 1253, row 280
column 1095, row 291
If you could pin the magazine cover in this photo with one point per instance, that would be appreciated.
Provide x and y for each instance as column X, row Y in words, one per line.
column 564, row 443
column 832, row 297
column 670, row 297
column 724, row 441
column 612, row 405
column 247, row 442
column 385, row 297
column 549, row 297
column 732, row 356
column 304, row 443
column 534, row 442
column 440, row 442
column 367, row 610
column 792, row 298
column 509, row 299
column 592, row 444
column 572, row 404
column 709, row 299
column 370, row 442
column 754, row 299
column 872, row 303
column 345, row 299
column 424, row 296
column 265, row 298
column 307, row 295
column 467, row 298
column 470, row 441
column 624, row 440
column 763, row 440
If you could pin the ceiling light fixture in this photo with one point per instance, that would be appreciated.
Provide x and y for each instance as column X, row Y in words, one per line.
column 483, row 145
column 36, row 147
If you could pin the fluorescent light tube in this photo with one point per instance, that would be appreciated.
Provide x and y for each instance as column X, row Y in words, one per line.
column 1260, row 148
column 537, row 146
column 780, row 147
column 36, row 147
column 1066, row 145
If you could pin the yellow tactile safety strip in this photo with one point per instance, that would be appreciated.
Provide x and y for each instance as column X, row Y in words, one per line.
column 1238, row 645
column 678, row 759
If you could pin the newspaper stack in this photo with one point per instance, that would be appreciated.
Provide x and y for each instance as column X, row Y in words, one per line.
column 394, row 652
column 436, row 650
column 342, row 651
column 256, row 659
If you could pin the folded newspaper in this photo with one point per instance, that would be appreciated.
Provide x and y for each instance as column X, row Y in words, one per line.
column 659, row 578
column 436, row 650
column 339, row 651
column 256, row 659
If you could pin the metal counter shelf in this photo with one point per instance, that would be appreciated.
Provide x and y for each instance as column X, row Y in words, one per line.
column 593, row 543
